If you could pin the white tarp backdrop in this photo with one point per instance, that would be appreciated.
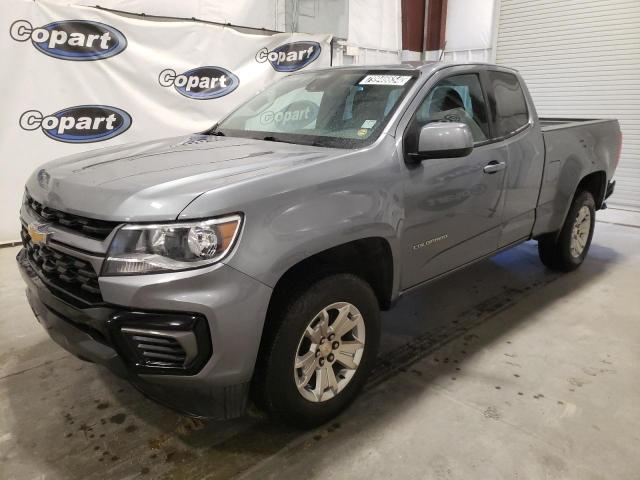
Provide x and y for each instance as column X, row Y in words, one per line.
column 78, row 78
column 469, row 24
column 253, row 13
column 375, row 24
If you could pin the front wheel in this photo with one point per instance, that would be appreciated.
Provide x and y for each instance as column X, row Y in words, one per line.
column 566, row 250
column 321, row 351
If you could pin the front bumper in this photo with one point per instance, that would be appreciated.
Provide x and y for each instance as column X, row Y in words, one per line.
column 232, row 304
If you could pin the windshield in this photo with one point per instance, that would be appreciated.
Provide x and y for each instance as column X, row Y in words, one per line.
column 345, row 109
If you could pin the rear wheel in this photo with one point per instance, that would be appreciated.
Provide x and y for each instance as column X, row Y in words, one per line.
column 566, row 250
column 321, row 351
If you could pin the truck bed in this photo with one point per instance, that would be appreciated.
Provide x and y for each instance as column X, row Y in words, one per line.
column 548, row 124
column 574, row 148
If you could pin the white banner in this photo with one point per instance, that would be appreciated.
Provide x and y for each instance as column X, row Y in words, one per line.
column 78, row 78
column 248, row 13
column 469, row 24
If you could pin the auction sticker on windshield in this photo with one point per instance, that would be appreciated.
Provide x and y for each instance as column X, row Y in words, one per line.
column 385, row 80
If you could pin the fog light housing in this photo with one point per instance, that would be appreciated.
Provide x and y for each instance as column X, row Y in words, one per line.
column 161, row 343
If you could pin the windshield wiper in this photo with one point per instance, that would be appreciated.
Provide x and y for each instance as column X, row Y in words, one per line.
column 214, row 131
column 271, row 138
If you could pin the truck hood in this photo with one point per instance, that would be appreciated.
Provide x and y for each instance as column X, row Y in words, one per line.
column 156, row 180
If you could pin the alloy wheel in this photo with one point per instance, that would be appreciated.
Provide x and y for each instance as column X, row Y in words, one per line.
column 580, row 231
column 329, row 352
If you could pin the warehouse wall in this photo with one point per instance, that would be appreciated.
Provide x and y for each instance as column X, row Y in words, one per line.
column 470, row 27
column 470, row 31
column 374, row 34
column 581, row 59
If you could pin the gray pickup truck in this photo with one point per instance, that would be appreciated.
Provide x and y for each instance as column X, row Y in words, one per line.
column 251, row 261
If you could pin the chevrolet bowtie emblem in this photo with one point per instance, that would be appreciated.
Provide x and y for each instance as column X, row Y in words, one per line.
column 39, row 233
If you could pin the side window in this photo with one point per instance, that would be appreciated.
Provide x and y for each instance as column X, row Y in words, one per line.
column 455, row 99
column 509, row 107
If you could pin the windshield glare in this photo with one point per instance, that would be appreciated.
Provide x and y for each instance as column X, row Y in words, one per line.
column 346, row 109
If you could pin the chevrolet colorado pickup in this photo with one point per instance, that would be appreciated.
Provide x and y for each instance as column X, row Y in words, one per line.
column 251, row 261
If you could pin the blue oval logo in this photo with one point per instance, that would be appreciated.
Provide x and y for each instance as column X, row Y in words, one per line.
column 79, row 124
column 78, row 40
column 200, row 83
column 290, row 56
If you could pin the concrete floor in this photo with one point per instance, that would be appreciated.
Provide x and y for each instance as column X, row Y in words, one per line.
column 504, row 370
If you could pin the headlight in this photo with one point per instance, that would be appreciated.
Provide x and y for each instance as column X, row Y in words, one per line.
column 138, row 249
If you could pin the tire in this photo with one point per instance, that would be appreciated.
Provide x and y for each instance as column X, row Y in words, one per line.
column 281, row 388
column 559, row 251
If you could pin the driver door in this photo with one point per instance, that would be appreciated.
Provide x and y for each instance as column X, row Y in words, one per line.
column 453, row 206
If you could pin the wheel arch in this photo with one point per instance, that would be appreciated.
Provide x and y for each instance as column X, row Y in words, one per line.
column 596, row 184
column 370, row 258
column 551, row 215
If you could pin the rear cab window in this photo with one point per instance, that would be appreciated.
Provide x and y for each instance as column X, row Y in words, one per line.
column 509, row 110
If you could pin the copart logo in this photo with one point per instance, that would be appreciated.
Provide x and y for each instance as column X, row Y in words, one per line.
column 80, row 124
column 201, row 83
column 290, row 56
column 296, row 115
column 78, row 40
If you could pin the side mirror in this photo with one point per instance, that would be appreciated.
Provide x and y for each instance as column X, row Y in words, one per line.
column 443, row 140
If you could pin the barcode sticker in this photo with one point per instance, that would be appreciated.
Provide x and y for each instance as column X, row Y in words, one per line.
column 385, row 80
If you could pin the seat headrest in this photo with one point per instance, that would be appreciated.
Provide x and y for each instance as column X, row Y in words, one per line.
column 445, row 98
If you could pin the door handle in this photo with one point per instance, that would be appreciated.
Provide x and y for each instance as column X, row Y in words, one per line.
column 494, row 166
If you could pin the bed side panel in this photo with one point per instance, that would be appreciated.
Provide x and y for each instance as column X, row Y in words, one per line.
column 571, row 153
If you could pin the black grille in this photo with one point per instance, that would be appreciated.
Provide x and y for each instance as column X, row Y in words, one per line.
column 98, row 229
column 156, row 350
column 64, row 272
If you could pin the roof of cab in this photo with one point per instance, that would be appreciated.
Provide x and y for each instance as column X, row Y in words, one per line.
column 430, row 66
column 391, row 66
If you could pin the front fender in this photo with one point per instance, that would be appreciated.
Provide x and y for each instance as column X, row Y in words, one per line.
column 302, row 211
column 280, row 238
